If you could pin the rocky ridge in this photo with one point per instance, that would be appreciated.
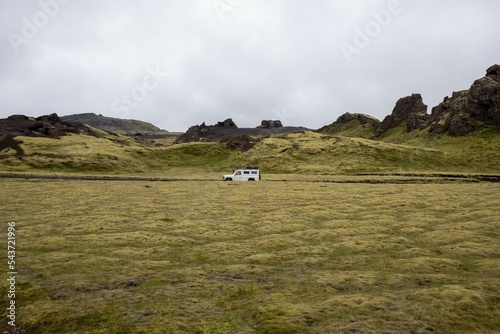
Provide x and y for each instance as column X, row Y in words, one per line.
column 228, row 132
column 48, row 126
column 207, row 133
column 462, row 113
column 116, row 125
column 51, row 126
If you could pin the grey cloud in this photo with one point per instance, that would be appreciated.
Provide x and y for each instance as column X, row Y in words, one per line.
column 265, row 60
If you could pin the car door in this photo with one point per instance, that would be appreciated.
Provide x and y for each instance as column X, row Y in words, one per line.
column 238, row 176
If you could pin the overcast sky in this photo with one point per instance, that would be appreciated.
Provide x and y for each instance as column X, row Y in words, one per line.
column 176, row 63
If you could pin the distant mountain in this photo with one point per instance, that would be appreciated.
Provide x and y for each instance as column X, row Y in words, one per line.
column 117, row 125
column 461, row 114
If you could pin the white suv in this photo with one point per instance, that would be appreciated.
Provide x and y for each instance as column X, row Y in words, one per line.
column 249, row 173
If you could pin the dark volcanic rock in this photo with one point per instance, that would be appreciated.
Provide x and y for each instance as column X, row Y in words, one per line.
column 49, row 126
column 484, row 99
column 410, row 109
column 227, row 124
column 452, row 111
column 462, row 113
column 270, row 124
column 205, row 132
column 227, row 128
column 9, row 142
column 470, row 110
column 45, row 126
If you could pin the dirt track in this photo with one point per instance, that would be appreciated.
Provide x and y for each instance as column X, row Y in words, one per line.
column 365, row 178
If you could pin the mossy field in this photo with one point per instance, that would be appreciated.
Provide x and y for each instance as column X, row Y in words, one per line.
column 260, row 257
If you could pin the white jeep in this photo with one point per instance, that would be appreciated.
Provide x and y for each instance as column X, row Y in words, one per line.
column 249, row 173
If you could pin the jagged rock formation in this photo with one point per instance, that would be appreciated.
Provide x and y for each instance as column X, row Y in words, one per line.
column 470, row 110
column 410, row 109
column 227, row 124
column 205, row 132
column 462, row 113
column 227, row 128
column 226, row 132
column 362, row 118
column 270, row 124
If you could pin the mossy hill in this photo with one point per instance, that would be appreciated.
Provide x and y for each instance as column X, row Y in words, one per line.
column 116, row 125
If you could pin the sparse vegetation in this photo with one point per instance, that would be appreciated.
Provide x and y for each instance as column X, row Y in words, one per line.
column 343, row 235
column 305, row 153
column 266, row 257
column 117, row 125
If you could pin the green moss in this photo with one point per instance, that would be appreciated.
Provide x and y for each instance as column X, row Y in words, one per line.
column 353, row 129
column 304, row 257
column 300, row 153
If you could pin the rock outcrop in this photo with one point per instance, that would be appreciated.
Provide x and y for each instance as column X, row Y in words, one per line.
column 205, row 132
column 228, row 129
column 227, row 124
column 45, row 126
column 270, row 124
column 470, row 110
column 49, row 126
column 410, row 109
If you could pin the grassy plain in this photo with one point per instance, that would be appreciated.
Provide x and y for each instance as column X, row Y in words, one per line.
column 263, row 257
